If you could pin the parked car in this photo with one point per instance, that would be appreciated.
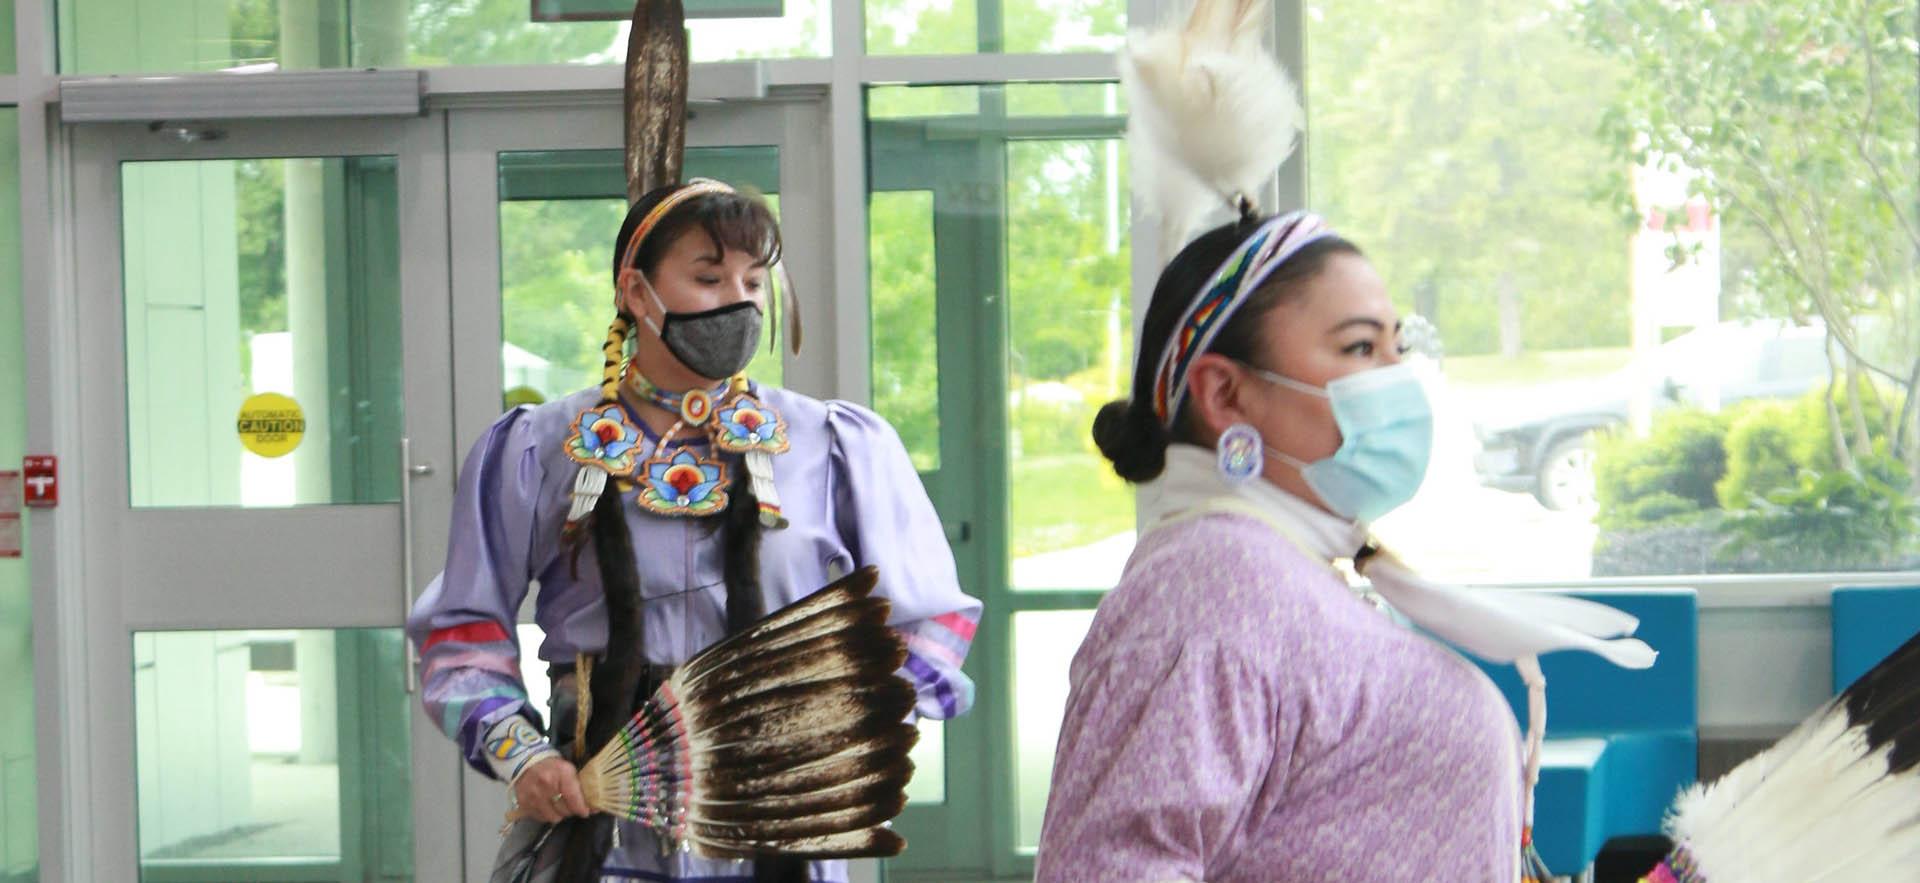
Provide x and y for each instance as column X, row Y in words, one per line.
column 1544, row 446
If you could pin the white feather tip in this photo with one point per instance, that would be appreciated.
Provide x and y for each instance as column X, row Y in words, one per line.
column 1213, row 114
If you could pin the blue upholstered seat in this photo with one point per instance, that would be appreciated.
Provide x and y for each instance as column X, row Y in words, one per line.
column 1870, row 622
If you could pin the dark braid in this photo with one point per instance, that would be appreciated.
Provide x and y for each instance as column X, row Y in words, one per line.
column 745, row 606
column 618, row 678
column 615, row 678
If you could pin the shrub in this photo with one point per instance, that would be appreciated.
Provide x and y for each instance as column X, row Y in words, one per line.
column 1760, row 454
column 1770, row 443
column 1670, row 474
column 1840, row 519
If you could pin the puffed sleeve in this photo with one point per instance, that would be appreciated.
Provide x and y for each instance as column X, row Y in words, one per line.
column 1161, row 755
column 463, row 624
column 885, row 520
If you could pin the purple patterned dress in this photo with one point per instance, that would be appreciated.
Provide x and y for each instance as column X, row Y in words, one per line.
column 1237, row 714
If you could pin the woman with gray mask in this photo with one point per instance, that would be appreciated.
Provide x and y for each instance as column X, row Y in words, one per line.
column 674, row 503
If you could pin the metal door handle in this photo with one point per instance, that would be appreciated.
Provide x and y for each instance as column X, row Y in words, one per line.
column 408, row 470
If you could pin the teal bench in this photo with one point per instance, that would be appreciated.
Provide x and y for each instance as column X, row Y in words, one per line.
column 1620, row 744
column 1870, row 622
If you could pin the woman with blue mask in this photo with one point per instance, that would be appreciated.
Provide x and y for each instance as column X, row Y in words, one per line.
column 675, row 502
column 1238, row 711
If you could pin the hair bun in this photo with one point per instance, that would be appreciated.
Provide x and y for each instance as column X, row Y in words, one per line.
column 1132, row 439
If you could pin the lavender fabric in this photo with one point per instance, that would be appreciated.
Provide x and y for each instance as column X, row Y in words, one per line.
column 1238, row 715
column 853, row 500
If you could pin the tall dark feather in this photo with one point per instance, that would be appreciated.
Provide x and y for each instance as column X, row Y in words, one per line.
column 656, row 96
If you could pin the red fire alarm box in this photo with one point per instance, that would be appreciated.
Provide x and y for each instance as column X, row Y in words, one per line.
column 40, row 478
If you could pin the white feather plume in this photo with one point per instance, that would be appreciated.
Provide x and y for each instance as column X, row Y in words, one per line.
column 1212, row 114
column 1827, row 803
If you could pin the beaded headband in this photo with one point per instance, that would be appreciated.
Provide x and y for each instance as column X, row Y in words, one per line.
column 693, row 188
column 1276, row 240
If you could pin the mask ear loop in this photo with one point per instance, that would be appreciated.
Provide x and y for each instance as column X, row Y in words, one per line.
column 659, row 328
column 1277, row 379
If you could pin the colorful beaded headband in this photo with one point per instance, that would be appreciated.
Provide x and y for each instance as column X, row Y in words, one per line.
column 1271, row 245
column 693, row 188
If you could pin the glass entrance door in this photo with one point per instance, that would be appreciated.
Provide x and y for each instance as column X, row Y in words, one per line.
column 1001, row 323
column 267, row 472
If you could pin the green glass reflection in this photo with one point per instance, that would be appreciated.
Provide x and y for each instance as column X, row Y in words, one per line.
column 923, row 27
column 244, row 277
column 125, row 36
column 1070, row 348
column 906, row 370
column 559, row 212
column 7, row 62
column 961, row 27
column 272, row 755
column 1065, row 99
column 905, row 102
column 19, row 830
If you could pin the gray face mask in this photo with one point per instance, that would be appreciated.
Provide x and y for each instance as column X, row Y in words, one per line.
column 715, row 344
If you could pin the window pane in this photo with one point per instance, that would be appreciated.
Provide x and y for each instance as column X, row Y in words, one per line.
column 559, row 212
column 1071, row 349
column 1639, row 343
column 922, row 27
column 1043, row 646
column 1065, row 25
column 1065, row 99
column 7, row 63
column 256, row 750
column 906, row 376
column 953, row 27
column 805, row 31
column 263, row 331
column 900, row 102
column 19, row 831
column 929, row 756
column 555, row 299
column 109, row 36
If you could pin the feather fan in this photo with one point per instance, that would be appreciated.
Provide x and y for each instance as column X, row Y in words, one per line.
column 787, row 738
column 1838, row 799
column 1212, row 114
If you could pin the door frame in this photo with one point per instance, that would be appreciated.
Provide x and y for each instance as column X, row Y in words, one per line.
column 117, row 596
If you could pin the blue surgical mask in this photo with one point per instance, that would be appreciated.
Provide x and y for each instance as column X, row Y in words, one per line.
column 1386, row 439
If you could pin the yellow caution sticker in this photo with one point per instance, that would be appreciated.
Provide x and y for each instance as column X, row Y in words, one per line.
column 271, row 424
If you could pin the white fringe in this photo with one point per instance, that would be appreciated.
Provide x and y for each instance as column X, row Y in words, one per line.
column 588, row 484
column 760, row 472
